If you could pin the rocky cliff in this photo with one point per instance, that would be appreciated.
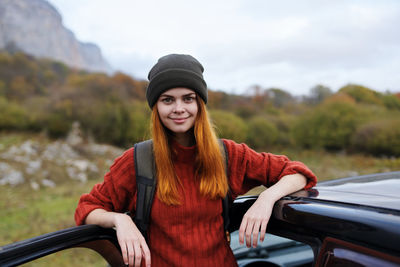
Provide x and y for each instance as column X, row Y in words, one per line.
column 35, row 27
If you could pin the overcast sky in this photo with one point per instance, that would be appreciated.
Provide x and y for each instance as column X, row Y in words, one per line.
column 292, row 45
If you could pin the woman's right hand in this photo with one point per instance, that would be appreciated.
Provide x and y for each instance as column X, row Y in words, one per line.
column 133, row 245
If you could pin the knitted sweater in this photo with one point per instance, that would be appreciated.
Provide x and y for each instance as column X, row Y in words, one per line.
column 190, row 234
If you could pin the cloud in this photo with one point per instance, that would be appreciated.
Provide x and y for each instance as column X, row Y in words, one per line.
column 290, row 44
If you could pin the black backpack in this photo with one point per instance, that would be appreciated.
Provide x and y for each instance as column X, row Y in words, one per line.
column 146, row 185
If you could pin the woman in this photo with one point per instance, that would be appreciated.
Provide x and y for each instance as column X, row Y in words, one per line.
column 186, row 226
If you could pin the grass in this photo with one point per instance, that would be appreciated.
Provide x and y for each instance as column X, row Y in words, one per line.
column 329, row 166
column 25, row 213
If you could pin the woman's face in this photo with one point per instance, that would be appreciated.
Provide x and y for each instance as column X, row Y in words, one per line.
column 177, row 108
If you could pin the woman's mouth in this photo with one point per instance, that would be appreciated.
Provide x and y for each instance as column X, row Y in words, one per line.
column 178, row 120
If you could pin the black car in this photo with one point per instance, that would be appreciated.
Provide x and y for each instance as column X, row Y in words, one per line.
column 345, row 222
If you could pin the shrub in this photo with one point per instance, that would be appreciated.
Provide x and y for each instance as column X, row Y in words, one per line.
column 378, row 137
column 229, row 126
column 57, row 125
column 261, row 133
column 329, row 126
column 12, row 116
column 139, row 123
column 362, row 94
column 391, row 101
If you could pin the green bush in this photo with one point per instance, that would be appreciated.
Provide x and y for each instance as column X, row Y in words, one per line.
column 12, row 116
column 378, row 137
column 329, row 126
column 362, row 94
column 391, row 101
column 229, row 126
column 139, row 123
column 109, row 123
column 57, row 124
column 261, row 133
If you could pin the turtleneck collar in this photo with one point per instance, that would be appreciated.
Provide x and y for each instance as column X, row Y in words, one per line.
column 183, row 153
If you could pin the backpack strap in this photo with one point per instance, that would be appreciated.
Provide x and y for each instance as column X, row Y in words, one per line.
column 145, row 183
column 226, row 202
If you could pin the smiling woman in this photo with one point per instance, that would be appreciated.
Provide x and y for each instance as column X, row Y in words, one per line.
column 186, row 214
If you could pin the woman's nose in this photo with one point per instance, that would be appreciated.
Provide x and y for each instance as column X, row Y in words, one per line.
column 179, row 108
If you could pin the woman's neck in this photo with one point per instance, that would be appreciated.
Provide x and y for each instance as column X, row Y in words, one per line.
column 185, row 139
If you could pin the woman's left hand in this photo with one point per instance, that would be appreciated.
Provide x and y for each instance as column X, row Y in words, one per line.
column 255, row 220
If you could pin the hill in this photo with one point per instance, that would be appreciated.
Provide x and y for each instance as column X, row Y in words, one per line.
column 35, row 27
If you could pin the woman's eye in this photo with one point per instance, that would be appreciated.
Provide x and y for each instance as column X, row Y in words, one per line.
column 167, row 100
column 189, row 99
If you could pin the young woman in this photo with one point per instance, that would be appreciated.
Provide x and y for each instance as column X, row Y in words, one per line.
column 186, row 226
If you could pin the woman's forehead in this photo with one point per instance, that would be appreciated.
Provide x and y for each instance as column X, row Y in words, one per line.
column 178, row 91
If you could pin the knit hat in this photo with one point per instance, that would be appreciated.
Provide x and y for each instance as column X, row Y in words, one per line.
column 173, row 71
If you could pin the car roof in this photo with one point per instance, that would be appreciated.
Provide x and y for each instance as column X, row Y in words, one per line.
column 376, row 190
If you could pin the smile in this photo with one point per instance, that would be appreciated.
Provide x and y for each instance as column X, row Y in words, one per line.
column 179, row 120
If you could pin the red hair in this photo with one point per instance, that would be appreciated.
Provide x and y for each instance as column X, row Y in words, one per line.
column 209, row 164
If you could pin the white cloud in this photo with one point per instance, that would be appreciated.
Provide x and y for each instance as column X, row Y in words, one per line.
column 289, row 44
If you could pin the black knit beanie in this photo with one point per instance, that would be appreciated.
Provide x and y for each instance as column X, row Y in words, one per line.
column 173, row 71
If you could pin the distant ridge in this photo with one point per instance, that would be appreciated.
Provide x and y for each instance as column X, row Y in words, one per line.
column 35, row 27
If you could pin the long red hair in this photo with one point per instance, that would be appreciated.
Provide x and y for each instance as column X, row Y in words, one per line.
column 209, row 164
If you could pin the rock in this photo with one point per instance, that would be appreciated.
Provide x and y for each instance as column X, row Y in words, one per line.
column 29, row 148
column 53, row 163
column 75, row 174
column 4, row 167
column 35, row 186
column 48, row 183
column 12, row 177
column 35, row 27
column 75, row 136
column 59, row 152
column 33, row 166
column 99, row 149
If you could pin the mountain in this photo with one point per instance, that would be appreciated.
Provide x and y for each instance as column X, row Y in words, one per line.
column 35, row 27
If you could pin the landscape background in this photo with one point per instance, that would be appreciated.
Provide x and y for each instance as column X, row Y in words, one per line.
column 62, row 125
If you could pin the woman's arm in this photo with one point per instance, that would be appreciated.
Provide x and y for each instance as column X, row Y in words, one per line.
column 256, row 218
column 132, row 243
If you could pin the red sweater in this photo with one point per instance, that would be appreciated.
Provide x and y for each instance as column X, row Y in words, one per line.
column 190, row 234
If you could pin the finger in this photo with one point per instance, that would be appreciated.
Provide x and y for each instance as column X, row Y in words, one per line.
column 263, row 230
column 138, row 254
column 256, row 230
column 242, row 229
column 124, row 253
column 131, row 253
column 146, row 254
column 249, row 230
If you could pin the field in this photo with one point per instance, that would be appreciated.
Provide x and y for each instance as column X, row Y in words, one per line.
column 27, row 213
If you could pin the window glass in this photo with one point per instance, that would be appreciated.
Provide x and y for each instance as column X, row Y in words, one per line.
column 275, row 250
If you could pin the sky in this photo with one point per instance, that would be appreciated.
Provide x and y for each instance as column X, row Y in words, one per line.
column 292, row 45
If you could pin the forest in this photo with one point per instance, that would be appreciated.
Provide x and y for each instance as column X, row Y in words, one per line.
column 39, row 95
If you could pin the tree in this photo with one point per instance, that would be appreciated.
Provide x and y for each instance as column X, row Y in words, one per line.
column 362, row 94
column 319, row 93
column 279, row 97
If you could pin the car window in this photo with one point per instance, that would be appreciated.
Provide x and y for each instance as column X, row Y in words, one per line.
column 336, row 252
column 274, row 251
